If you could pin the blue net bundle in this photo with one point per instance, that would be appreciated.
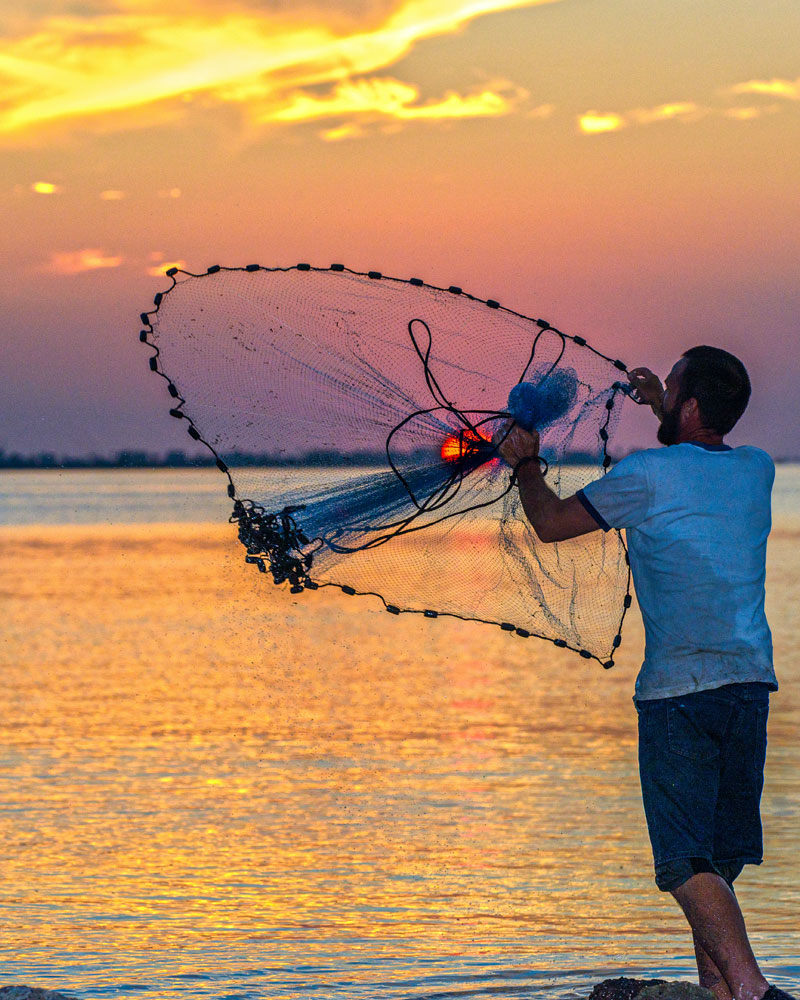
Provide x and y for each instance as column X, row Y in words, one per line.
column 353, row 415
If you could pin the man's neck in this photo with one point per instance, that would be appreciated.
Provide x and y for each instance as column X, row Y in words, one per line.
column 699, row 435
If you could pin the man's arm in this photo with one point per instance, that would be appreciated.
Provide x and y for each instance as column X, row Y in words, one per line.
column 553, row 519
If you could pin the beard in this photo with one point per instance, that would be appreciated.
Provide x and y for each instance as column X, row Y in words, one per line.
column 668, row 429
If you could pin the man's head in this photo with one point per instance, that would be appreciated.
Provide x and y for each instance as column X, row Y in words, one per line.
column 707, row 390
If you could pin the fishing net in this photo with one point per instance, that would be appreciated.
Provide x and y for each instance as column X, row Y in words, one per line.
column 353, row 415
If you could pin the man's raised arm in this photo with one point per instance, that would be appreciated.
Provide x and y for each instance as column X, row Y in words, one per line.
column 553, row 519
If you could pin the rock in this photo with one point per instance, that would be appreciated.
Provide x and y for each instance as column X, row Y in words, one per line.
column 675, row 991
column 31, row 993
column 647, row 989
column 622, row 988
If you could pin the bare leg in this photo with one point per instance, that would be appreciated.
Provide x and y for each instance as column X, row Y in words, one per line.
column 718, row 926
column 709, row 974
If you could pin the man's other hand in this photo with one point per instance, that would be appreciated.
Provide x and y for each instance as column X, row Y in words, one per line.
column 514, row 443
column 648, row 388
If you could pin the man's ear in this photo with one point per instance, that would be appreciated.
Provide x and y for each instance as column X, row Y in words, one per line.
column 690, row 410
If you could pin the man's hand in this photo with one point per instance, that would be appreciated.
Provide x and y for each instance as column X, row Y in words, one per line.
column 648, row 388
column 514, row 443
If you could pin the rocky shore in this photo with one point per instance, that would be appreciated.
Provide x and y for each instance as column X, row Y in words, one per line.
column 609, row 989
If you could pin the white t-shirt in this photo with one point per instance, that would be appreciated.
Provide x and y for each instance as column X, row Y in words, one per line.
column 697, row 519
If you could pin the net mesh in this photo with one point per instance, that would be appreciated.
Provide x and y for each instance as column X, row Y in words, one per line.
column 353, row 415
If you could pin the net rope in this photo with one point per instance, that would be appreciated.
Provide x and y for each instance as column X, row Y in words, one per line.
column 353, row 415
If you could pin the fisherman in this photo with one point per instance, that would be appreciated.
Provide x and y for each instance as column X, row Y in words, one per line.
column 697, row 517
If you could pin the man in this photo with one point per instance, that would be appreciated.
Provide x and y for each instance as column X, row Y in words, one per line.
column 697, row 516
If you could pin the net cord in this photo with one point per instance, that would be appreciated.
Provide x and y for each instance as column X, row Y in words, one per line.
column 450, row 488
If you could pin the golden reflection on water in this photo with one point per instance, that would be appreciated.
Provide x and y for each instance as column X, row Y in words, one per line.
column 194, row 759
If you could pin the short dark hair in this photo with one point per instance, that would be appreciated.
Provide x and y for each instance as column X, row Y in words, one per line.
column 719, row 382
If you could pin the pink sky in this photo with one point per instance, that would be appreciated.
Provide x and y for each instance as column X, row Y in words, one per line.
column 627, row 171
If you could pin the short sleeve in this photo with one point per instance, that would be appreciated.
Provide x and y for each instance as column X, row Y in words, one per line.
column 621, row 499
column 769, row 468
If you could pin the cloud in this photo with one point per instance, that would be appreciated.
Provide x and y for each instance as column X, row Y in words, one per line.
column 593, row 123
column 141, row 52
column 112, row 195
column 347, row 131
column 78, row 261
column 159, row 270
column 746, row 114
column 663, row 112
column 789, row 89
column 380, row 98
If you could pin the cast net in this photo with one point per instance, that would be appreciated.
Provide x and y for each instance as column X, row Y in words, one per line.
column 353, row 415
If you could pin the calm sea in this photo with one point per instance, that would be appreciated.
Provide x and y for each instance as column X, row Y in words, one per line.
column 210, row 787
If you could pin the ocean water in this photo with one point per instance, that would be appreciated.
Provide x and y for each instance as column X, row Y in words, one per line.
column 210, row 787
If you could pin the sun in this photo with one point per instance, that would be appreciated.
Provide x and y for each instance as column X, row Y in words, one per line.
column 457, row 446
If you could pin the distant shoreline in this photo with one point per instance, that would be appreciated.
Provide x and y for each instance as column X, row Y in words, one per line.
column 140, row 460
column 24, row 464
column 179, row 460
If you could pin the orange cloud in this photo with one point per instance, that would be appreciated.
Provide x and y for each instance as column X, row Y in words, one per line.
column 790, row 89
column 746, row 114
column 381, row 98
column 592, row 123
column 347, row 131
column 144, row 52
column 159, row 270
column 663, row 112
column 78, row 261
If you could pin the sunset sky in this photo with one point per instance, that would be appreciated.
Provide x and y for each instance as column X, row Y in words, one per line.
column 627, row 169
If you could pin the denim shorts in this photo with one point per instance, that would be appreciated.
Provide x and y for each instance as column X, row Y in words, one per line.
column 701, row 764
